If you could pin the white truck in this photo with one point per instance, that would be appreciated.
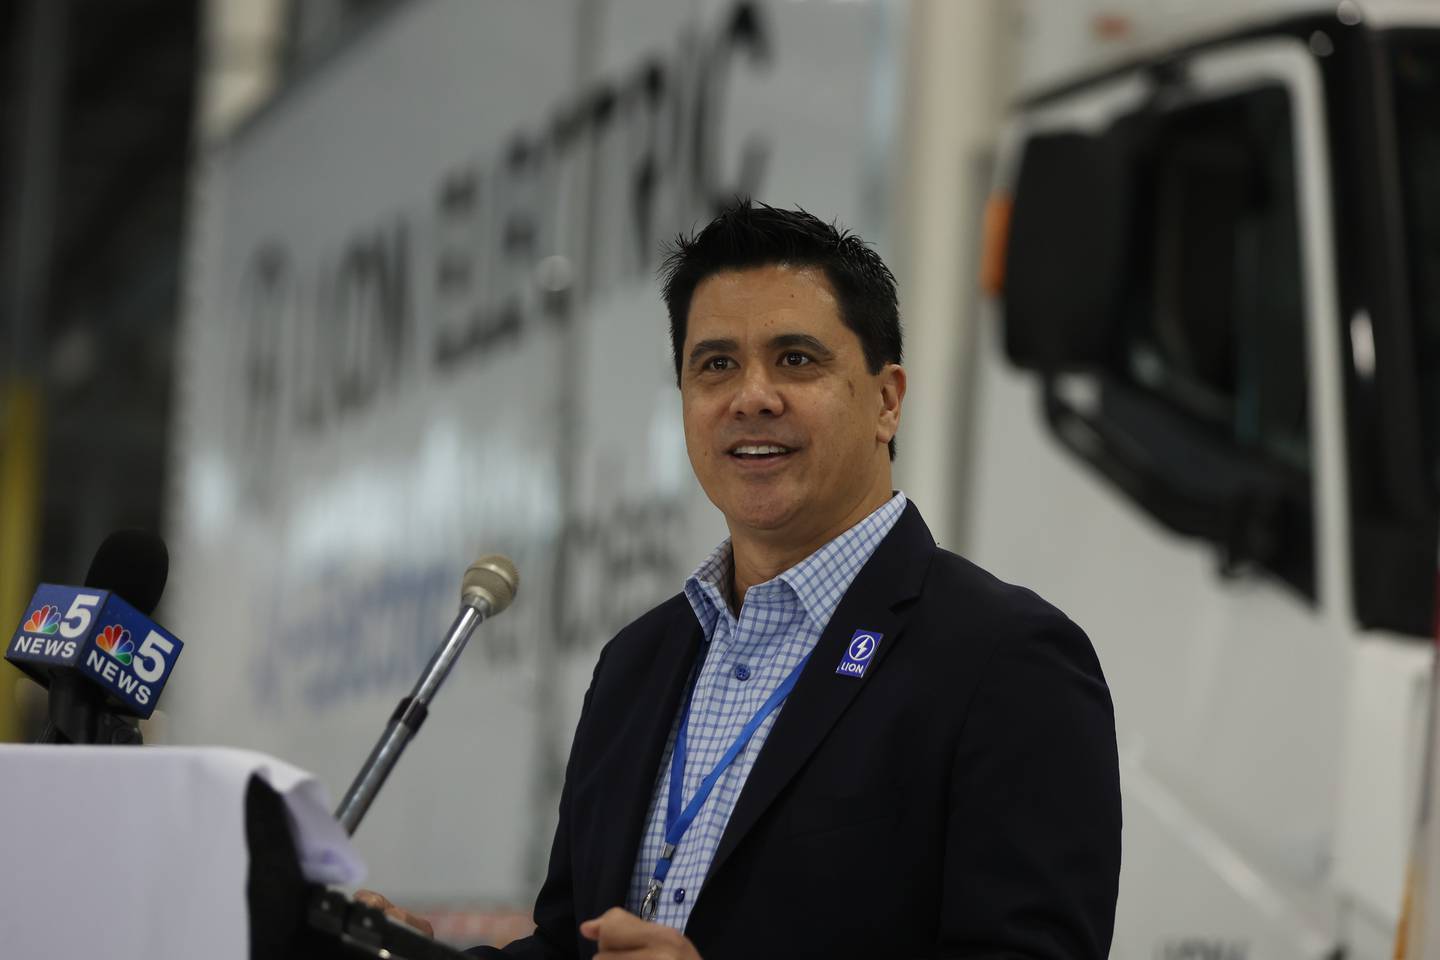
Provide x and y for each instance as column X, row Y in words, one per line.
column 1214, row 277
column 1201, row 417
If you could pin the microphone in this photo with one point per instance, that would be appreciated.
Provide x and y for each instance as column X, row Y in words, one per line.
column 487, row 588
column 134, row 564
column 95, row 647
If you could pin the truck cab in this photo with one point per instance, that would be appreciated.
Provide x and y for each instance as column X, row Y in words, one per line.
column 1213, row 279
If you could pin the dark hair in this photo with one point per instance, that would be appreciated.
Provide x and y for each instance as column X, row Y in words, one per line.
column 750, row 234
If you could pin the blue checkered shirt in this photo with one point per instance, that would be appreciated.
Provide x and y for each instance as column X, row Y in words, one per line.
column 745, row 660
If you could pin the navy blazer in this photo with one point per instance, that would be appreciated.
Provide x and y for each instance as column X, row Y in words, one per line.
column 962, row 799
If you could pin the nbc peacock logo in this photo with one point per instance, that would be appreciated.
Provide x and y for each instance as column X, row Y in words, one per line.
column 45, row 620
column 115, row 640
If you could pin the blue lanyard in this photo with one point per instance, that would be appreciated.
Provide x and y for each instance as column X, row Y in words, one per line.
column 677, row 821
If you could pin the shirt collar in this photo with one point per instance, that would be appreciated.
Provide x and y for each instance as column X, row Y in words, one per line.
column 818, row 581
column 707, row 586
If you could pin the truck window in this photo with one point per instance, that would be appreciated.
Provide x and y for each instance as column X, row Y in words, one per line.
column 1221, row 332
column 1208, row 378
column 1417, row 92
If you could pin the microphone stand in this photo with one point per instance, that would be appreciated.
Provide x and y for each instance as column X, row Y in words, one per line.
column 77, row 714
column 410, row 713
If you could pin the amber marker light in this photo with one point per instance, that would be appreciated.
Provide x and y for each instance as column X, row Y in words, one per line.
column 996, row 236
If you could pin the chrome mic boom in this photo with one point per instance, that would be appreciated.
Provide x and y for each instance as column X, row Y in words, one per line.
column 487, row 588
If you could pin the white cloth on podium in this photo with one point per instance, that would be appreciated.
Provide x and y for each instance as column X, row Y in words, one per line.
column 140, row 852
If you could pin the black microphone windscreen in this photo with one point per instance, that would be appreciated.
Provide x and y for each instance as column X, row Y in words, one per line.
column 134, row 564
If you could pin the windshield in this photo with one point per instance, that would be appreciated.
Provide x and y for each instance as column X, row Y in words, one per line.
column 1416, row 60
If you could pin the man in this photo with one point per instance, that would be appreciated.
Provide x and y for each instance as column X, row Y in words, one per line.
column 839, row 740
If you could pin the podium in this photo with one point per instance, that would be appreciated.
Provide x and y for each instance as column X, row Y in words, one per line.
column 169, row 853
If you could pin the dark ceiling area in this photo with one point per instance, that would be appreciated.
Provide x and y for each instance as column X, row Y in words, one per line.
column 121, row 76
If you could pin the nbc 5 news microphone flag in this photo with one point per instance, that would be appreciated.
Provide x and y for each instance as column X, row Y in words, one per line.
column 98, row 634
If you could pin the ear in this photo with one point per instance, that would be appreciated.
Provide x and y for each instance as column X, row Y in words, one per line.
column 892, row 395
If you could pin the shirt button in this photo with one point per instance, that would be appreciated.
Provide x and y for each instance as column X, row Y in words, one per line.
column 680, row 895
column 742, row 672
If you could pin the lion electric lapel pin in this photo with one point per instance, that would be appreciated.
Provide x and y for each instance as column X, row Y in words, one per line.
column 859, row 653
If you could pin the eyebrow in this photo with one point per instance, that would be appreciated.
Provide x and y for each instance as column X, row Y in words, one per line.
column 712, row 346
column 784, row 341
column 804, row 340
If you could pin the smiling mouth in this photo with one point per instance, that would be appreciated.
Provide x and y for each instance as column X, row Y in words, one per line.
column 760, row 452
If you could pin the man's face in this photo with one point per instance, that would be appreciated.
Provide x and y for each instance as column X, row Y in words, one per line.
column 785, row 425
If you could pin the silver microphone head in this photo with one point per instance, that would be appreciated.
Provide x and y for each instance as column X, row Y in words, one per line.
column 492, row 578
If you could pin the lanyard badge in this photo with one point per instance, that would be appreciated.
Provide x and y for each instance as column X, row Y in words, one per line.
column 677, row 821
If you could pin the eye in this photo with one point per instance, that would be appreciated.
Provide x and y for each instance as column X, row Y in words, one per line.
column 795, row 358
column 717, row 363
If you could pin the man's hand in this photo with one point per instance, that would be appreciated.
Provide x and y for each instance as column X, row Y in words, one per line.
column 372, row 899
column 620, row 933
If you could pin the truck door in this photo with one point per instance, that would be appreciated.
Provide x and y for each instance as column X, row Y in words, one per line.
column 1159, row 451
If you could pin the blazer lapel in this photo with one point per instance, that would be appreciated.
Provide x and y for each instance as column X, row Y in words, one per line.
column 892, row 575
column 641, row 741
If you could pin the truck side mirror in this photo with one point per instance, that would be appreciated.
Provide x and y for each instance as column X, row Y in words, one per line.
column 1064, row 268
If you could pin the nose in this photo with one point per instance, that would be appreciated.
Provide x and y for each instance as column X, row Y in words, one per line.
column 756, row 394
